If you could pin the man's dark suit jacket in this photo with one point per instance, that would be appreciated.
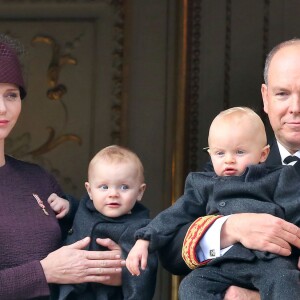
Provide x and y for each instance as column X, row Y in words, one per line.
column 170, row 256
column 274, row 157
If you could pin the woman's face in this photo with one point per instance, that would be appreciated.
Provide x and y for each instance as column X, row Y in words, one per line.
column 10, row 108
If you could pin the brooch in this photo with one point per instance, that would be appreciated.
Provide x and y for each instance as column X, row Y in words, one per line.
column 40, row 203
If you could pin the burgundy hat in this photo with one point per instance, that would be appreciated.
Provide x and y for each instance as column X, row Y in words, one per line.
column 10, row 68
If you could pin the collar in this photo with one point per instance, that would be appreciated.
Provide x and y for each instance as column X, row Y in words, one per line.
column 284, row 153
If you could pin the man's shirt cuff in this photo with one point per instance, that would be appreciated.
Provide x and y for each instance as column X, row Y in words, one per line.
column 209, row 245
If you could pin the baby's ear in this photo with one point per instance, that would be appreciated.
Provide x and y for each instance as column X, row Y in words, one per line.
column 264, row 153
column 88, row 189
column 141, row 191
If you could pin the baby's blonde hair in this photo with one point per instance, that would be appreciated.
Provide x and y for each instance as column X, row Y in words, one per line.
column 118, row 154
column 239, row 113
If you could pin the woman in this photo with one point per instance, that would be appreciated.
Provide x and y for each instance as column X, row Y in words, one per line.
column 29, row 230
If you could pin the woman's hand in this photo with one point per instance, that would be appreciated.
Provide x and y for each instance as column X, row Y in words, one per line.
column 71, row 265
column 262, row 232
column 114, row 279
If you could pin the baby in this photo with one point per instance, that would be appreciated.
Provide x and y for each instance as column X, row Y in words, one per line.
column 112, row 210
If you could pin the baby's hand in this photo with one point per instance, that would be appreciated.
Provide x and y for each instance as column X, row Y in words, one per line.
column 138, row 254
column 59, row 205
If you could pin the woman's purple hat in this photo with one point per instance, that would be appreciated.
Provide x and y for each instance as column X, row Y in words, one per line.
column 10, row 68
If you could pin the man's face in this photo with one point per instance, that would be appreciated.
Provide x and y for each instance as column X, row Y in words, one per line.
column 281, row 97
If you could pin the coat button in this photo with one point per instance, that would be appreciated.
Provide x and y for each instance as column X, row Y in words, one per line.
column 222, row 203
column 70, row 231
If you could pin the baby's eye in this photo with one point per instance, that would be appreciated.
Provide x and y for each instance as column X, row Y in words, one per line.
column 240, row 152
column 103, row 187
column 219, row 153
column 124, row 187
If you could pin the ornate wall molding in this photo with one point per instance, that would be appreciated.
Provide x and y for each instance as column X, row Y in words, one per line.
column 220, row 39
column 56, row 1
column 70, row 11
column 265, row 50
column 227, row 56
column 266, row 29
column 106, row 20
column 117, row 115
column 193, row 79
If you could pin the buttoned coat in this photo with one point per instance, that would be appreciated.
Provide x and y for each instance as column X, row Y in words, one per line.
column 170, row 255
column 89, row 222
column 261, row 189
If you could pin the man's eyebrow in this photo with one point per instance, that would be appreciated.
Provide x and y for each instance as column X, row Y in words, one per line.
column 279, row 87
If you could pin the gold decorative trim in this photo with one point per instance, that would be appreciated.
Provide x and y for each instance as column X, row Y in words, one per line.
column 191, row 240
column 53, row 142
column 56, row 90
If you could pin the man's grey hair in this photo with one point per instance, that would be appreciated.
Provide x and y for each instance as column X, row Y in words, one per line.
column 273, row 52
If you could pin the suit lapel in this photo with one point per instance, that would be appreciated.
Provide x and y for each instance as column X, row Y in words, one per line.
column 274, row 157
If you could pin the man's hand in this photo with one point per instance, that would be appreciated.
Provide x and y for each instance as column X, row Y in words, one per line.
column 238, row 293
column 262, row 232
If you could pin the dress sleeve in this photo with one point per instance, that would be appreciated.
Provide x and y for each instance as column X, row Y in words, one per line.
column 23, row 282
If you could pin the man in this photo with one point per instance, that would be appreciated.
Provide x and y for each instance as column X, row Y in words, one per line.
column 281, row 99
